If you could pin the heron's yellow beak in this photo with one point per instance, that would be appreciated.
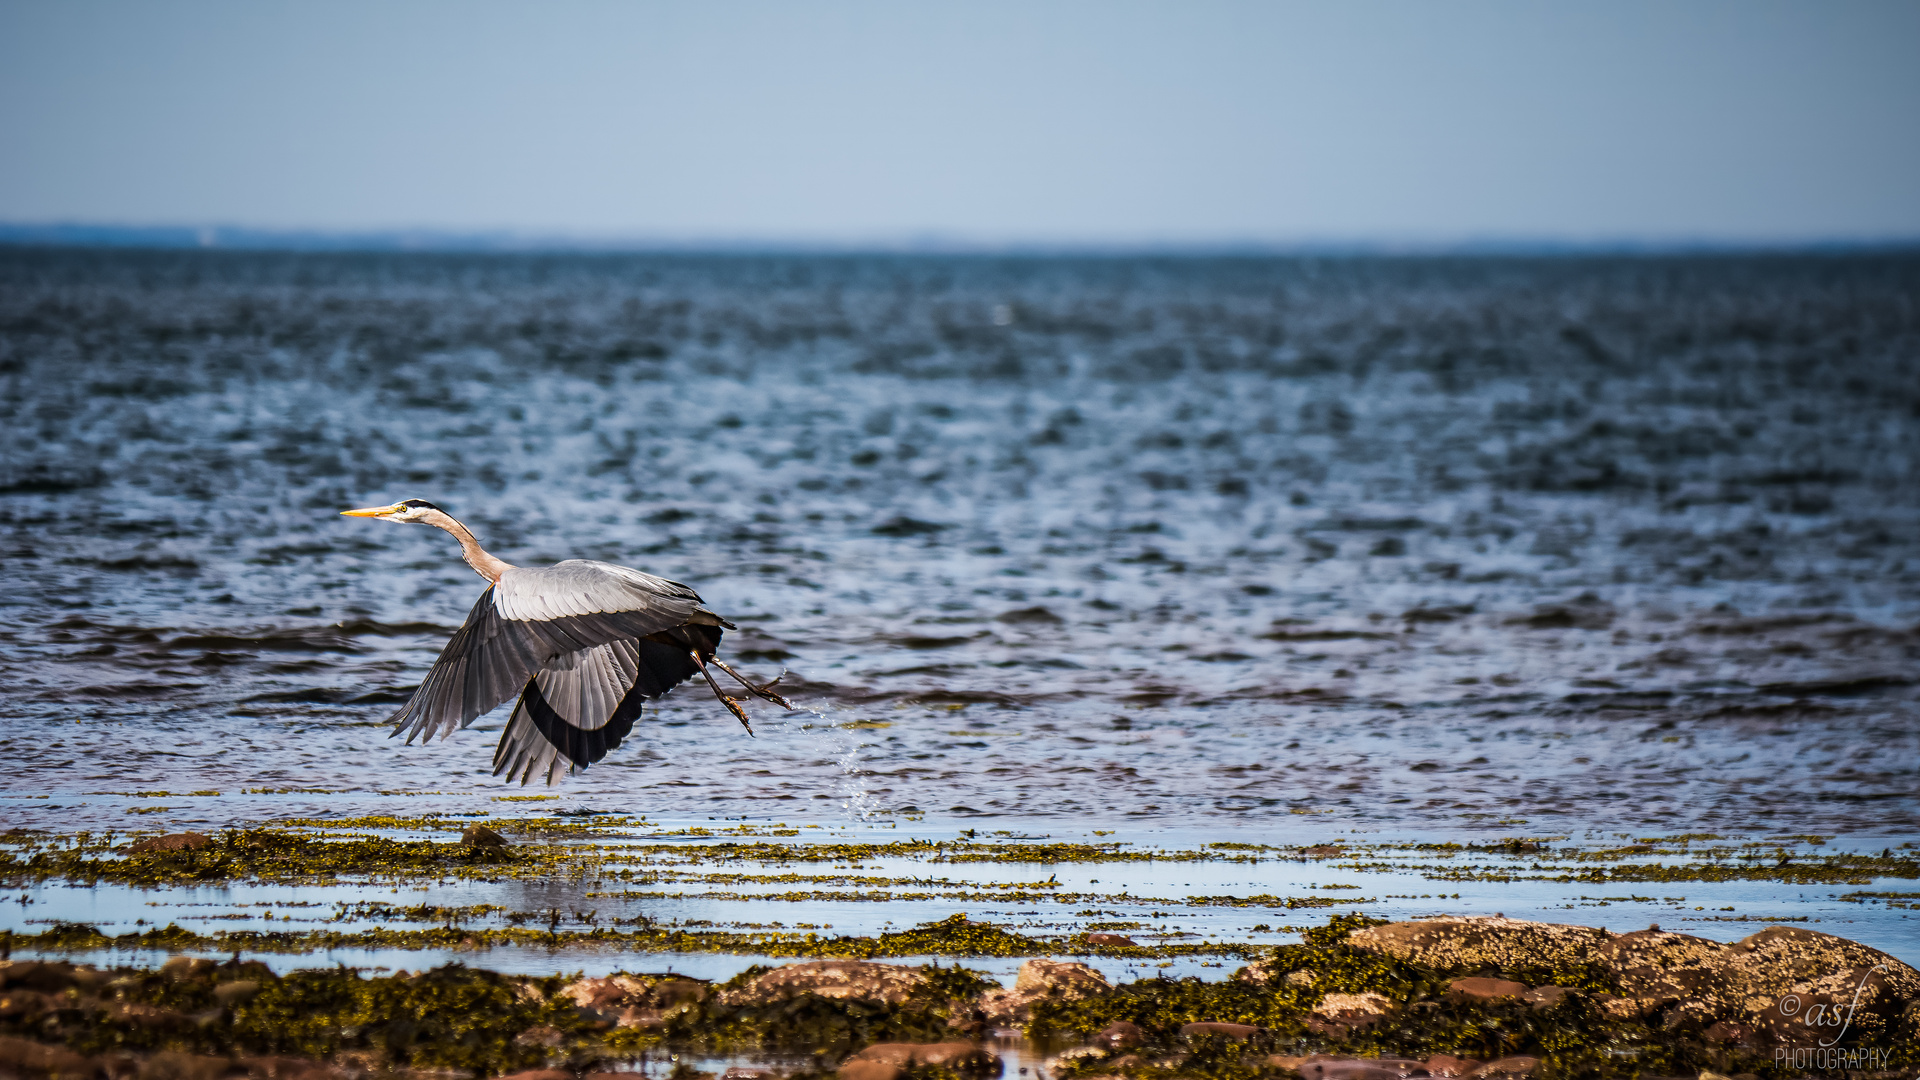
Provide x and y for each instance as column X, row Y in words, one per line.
column 373, row 511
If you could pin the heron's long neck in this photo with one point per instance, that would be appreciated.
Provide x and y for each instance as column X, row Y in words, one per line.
column 484, row 563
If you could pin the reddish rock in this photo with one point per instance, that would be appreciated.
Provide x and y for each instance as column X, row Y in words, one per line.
column 1448, row 1065
column 964, row 1059
column 841, row 980
column 1112, row 941
column 1208, row 1028
column 184, row 968
column 1482, row 942
column 1546, row 997
column 233, row 993
column 479, row 836
column 138, row 1014
column 1331, row 1067
column 870, row 1070
column 1063, row 979
column 287, row 1068
column 24, row 1057
column 1477, row 989
column 1039, row 980
column 23, row 1004
column 1120, row 1035
column 180, row 841
column 594, row 993
column 539, row 1074
column 1338, row 1014
column 46, row 976
column 1508, row 1068
column 168, row 1065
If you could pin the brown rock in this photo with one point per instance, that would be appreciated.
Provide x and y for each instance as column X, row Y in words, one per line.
column 23, row 1004
column 840, row 980
column 539, row 1074
column 184, row 968
column 1783, row 977
column 233, row 993
column 168, row 1065
column 964, row 1059
column 1063, row 980
column 594, row 993
column 1727, row 1033
column 479, row 836
column 1508, row 1068
column 287, row 1068
column 638, row 1016
column 180, row 841
column 1546, row 997
column 1209, row 1028
column 540, row 1035
column 674, row 992
column 1482, row 942
column 1666, row 968
column 1120, row 1035
column 736, row 1072
column 1338, row 1014
column 137, row 1014
column 1478, row 989
column 1111, row 941
column 1324, row 1067
column 46, row 976
column 24, row 1057
column 870, row 1070
column 1448, row 1065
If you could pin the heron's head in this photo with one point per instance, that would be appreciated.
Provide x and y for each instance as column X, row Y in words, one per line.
column 413, row 511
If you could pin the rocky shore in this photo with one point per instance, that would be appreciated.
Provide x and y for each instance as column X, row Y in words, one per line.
column 1356, row 1000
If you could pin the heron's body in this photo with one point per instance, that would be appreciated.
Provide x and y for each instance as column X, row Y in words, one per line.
column 583, row 643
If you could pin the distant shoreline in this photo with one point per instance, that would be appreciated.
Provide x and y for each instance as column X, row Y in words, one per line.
column 235, row 238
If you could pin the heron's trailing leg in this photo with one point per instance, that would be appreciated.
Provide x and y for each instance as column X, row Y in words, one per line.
column 732, row 705
column 764, row 690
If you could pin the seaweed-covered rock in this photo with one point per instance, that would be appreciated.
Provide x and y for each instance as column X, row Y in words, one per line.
column 1482, row 942
column 1040, row 980
column 180, row 841
column 1064, row 979
column 1339, row 1014
column 841, row 980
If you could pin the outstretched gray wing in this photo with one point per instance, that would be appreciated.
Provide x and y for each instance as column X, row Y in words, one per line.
column 529, row 618
column 583, row 704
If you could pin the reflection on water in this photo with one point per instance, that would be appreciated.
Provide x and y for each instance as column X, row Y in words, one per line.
column 1558, row 546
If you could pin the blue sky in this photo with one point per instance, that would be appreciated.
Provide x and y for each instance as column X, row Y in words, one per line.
column 1063, row 122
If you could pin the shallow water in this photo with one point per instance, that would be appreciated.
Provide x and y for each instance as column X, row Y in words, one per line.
column 1472, row 547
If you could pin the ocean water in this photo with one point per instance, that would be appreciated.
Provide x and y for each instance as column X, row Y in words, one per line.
column 1606, row 543
column 1570, row 546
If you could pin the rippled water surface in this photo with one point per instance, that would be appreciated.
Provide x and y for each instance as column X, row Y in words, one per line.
column 1563, row 546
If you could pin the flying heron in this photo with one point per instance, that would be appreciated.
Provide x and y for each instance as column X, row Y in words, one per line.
column 583, row 643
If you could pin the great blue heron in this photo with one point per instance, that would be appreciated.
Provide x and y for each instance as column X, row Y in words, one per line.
column 583, row 643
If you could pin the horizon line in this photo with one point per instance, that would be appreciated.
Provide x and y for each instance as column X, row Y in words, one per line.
column 505, row 241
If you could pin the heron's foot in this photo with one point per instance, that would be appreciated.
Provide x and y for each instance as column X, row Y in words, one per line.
column 734, row 708
column 732, row 705
column 761, row 690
